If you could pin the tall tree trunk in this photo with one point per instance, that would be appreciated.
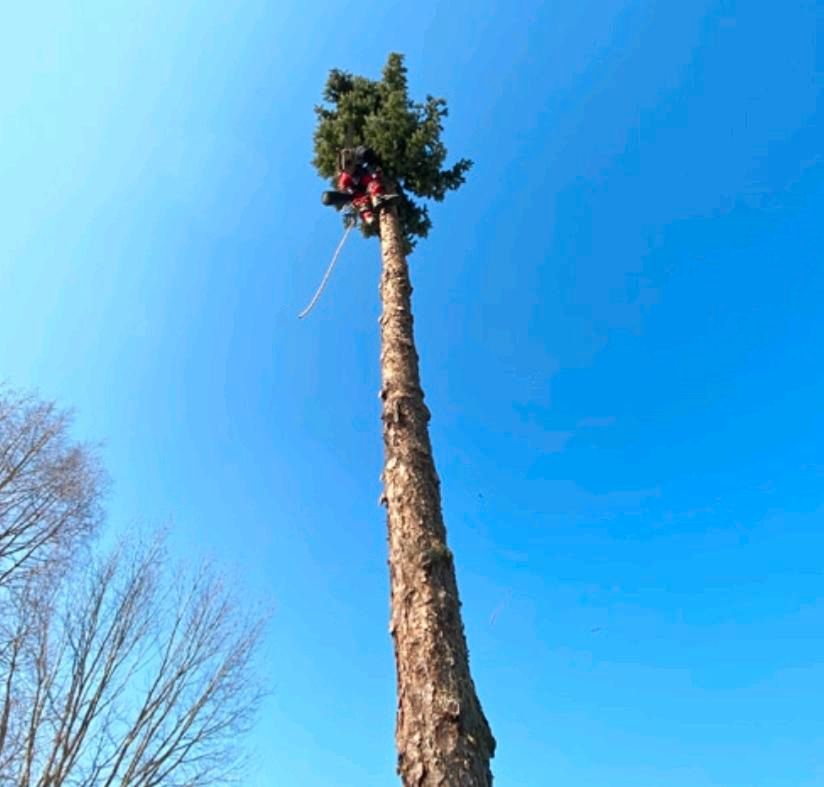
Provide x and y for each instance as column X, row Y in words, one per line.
column 443, row 737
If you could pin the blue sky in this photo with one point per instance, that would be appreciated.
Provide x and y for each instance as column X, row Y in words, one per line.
column 620, row 329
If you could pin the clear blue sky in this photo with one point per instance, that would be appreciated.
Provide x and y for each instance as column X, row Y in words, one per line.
column 621, row 333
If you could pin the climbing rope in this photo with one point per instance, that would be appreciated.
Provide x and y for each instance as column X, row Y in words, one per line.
column 349, row 227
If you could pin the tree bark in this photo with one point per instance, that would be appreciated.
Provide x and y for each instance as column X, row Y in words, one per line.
column 442, row 735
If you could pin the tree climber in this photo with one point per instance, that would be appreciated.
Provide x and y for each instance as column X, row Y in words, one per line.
column 359, row 182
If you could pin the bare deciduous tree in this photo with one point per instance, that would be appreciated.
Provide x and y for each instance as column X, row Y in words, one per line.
column 50, row 487
column 112, row 670
column 122, row 677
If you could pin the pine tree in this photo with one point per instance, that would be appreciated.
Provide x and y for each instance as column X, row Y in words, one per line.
column 442, row 735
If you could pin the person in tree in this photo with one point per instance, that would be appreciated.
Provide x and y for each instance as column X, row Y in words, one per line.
column 359, row 182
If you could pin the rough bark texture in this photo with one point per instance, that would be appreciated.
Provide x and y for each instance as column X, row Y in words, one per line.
column 442, row 735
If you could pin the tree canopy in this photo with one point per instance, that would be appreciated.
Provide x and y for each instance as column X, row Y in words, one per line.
column 404, row 133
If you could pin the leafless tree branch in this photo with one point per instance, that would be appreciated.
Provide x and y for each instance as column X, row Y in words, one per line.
column 50, row 487
column 115, row 670
column 115, row 680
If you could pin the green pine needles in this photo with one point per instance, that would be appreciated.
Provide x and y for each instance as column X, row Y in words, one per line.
column 405, row 134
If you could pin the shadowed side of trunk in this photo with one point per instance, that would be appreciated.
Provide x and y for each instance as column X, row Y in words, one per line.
column 442, row 735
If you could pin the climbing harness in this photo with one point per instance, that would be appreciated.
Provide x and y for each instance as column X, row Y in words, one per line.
column 350, row 224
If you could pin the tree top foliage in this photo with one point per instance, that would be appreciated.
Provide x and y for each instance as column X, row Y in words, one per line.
column 405, row 134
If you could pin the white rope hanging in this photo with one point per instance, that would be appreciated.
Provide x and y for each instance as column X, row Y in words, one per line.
column 328, row 273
